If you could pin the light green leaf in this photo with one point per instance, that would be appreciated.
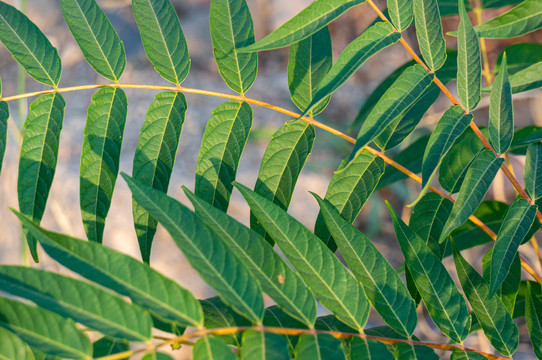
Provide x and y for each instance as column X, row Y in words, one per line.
column 121, row 273
column 533, row 170
column 102, row 144
column 414, row 352
column 533, row 316
column 84, row 303
column 281, row 164
column 232, row 28
column 501, row 115
column 39, row 154
column 429, row 33
column 261, row 345
column 329, row 280
column 516, row 224
column 374, row 39
column 479, row 177
column 311, row 19
column 4, row 116
column 450, row 126
column 212, row 348
column 318, row 347
column 108, row 346
column 218, row 315
column 277, row 279
column 29, row 46
column 204, row 250
column 162, row 38
column 445, row 304
column 466, row 355
column 383, row 286
column 223, row 142
column 96, row 37
column 469, row 63
column 490, row 312
column 155, row 156
column 369, row 349
column 508, row 291
column 44, row 330
column 13, row 348
column 308, row 63
column 527, row 79
column 349, row 189
column 401, row 13
column 397, row 99
column 520, row 20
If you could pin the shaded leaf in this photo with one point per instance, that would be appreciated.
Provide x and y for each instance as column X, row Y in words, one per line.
column 107, row 346
column 274, row 316
column 469, row 63
column 155, row 156
column 533, row 170
column 218, row 315
column 39, row 155
column 519, row 56
column 4, row 116
column 401, row 13
column 520, row 20
column 466, row 355
column 262, row 345
column 318, row 347
column 533, row 316
column 369, row 349
column 501, row 114
column 96, row 37
column 212, row 348
column 449, row 7
column 13, row 348
column 414, row 352
column 508, row 290
column 100, row 155
column 429, row 33
column 488, row 4
column 524, row 137
column 223, row 142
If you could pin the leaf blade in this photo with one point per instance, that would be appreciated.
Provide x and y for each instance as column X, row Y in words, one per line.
column 520, row 20
column 533, row 170
column 429, row 33
column 533, row 314
column 501, row 114
column 262, row 345
column 401, row 13
column 319, row 347
column 212, row 348
column 469, row 64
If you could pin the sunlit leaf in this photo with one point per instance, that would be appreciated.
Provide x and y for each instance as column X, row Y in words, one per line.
column 401, row 13
column 527, row 79
column 212, row 348
column 429, row 33
column 13, row 348
column 520, row 20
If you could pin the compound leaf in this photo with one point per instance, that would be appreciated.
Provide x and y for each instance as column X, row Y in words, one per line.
column 501, row 115
column 223, row 142
column 155, row 156
column 262, row 345
column 533, row 316
column 520, row 20
column 212, row 348
column 96, row 37
column 318, row 347
column 4, row 116
column 469, row 64
column 27, row 44
column 39, row 155
column 533, row 170
column 163, row 38
column 99, row 168
column 311, row 19
column 429, row 33
column 401, row 13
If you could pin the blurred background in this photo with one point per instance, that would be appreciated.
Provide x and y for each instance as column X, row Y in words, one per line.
column 62, row 213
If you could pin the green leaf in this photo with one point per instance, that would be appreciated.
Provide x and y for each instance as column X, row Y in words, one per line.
column 397, row 99
column 445, row 304
column 520, row 20
column 218, row 315
column 84, row 303
column 204, row 250
column 107, row 346
column 533, row 316
column 281, row 164
column 450, row 126
column 44, row 330
column 96, row 37
column 318, row 347
column 533, row 170
column 261, row 345
column 490, row 312
column 429, row 33
column 155, row 156
column 501, row 115
column 39, row 154
column 401, row 13
column 311, row 19
column 477, row 181
column 308, row 63
column 329, row 280
column 509, row 289
column 449, row 7
column 466, row 355
column 99, row 168
column 414, row 352
column 331, row 323
column 524, row 137
column 383, row 286
column 162, row 38
column 375, row 38
column 519, row 56
column 527, row 79
column 488, row 4
column 469, row 64
column 274, row 316
column 369, row 349
column 156, row 356
column 212, row 348
column 277, row 279
column 223, row 142
column 122, row 273
column 349, row 189
column 4, row 116
column 232, row 28
column 516, row 224
column 27, row 44
column 13, row 348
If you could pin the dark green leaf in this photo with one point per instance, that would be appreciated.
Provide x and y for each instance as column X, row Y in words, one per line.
column 414, row 352
column 318, row 347
column 509, row 289
column 533, row 316
column 524, row 137
column 520, row 20
column 107, row 346
column 99, row 168
column 212, row 348
column 4, row 116
column 533, row 170
column 96, row 37
column 155, row 156
column 449, row 7
column 311, row 19
column 519, row 56
column 261, row 345
column 501, row 115
column 401, row 13
column 39, row 154
column 429, row 33
column 466, row 355
column 488, row 4
column 274, row 316
column 218, row 315
column 369, row 349
column 527, row 79
column 13, row 348
column 29, row 46
column 469, row 63
column 223, row 142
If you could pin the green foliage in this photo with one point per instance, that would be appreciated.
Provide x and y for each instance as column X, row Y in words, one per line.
column 520, row 20
column 501, row 114
column 469, row 64
column 429, row 33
